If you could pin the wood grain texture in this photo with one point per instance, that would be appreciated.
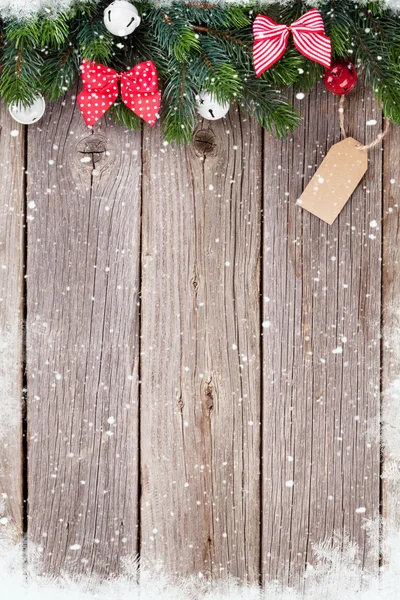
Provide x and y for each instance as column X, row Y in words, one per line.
column 321, row 349
column 83, row 341
column 12, row 220
column 200, row 392
column 391, row 343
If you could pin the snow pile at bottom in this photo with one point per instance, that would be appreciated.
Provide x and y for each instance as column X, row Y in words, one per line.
column 337, row 575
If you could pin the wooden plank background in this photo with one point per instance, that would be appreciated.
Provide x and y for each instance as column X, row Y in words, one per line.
column 12, row 252
column 200, row 404
column 83, row 341
column 321, row 348
column 391, row 347
column 203, row 358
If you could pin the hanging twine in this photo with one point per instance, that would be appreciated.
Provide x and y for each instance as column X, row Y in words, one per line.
column 378, row 139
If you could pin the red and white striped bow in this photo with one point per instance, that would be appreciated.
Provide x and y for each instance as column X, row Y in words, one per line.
column 271, row 40
column 139, row 91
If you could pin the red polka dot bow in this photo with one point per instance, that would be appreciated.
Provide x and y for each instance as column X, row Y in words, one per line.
column 100, row 90
column 271, row 40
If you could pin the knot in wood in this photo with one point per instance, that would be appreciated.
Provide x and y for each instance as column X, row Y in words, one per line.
column 195, row 284
column 205, row 142
column 209, row 396
column 180, row 404
column 92, row 149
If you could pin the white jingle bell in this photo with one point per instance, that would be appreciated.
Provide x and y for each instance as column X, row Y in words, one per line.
column 121, row 18
column 27, row 115
column 209, row 108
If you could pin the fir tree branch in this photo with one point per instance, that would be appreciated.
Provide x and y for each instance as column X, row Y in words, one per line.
column 199, row 47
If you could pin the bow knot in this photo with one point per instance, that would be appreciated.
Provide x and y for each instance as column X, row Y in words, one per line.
column 271, row 40
column 101, row 84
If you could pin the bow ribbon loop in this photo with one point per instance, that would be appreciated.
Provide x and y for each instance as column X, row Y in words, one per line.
column 139, row 91
column 271, row 40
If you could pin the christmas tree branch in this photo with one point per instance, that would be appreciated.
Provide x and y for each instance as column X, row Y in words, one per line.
column 198, row 47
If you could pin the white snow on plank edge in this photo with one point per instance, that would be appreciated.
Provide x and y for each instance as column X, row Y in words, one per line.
column 26, row 8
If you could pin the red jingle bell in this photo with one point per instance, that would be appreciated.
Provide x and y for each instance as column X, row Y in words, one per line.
column 340, row 78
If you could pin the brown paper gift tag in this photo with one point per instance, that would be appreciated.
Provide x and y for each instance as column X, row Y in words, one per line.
column 335, row 180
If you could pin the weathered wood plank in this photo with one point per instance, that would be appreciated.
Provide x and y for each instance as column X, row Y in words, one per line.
column 12, row 161
column 391, row 346
column 321, row 348
column 83, row 340
column 200, row 392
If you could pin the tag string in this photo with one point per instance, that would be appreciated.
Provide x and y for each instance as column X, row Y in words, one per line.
column 378, row 139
